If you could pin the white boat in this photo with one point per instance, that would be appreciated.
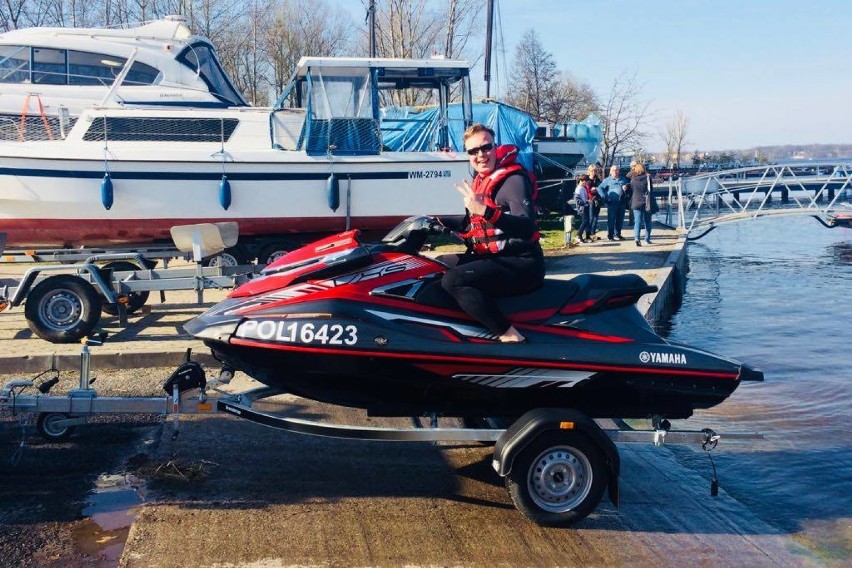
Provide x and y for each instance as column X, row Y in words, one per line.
column 559, row 148
column 48, row 76
column 126, row 175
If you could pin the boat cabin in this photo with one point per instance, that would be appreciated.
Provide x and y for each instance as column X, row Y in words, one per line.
column 342, row 103
column 48, row 76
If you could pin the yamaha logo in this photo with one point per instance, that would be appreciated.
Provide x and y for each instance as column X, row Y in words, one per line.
column 664, row 358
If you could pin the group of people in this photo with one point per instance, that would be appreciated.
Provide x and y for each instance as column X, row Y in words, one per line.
column 617, row 192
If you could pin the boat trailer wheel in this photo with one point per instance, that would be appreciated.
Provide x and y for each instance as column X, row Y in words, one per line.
column 49, row 428
column 233, row 256
column 558, row 479
column 135, row 300
column 63, row 308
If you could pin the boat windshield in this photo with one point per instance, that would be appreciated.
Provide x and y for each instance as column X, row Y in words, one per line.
column 201, row 58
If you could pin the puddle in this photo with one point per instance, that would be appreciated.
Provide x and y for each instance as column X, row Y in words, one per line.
column 110, row 510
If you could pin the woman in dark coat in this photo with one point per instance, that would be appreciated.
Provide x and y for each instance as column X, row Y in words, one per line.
column 641, row 203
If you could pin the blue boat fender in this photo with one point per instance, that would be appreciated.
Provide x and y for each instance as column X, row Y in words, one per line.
column 106, row 192
column 225, row 192
column 333, row 187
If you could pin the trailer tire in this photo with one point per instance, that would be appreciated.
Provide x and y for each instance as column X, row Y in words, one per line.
column 275, row 250
column 63, row 308
column 46, row 425
column 233, row 256
column 135, row 300
column 558, row 479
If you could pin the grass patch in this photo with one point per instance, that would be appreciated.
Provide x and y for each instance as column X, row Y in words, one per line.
column 552, row 237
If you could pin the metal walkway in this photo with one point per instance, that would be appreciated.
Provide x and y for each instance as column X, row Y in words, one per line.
column 702, row 202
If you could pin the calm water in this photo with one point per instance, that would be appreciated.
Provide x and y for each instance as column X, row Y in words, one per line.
column 777, row 293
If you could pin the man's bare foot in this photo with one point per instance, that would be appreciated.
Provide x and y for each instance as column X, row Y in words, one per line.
column 512, row 335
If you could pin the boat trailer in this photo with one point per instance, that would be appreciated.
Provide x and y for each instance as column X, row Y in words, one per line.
column 557, row 463
column 63, row 302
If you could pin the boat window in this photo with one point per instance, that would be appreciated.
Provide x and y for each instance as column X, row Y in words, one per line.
column 66, row 67
column 340, row 111
column 49, row 66
column 137, row 129
column 340, row 93
column 98, row 69
column 14, row 64
column 201, row 59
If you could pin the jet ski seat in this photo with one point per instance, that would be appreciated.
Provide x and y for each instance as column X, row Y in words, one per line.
column 554, row 296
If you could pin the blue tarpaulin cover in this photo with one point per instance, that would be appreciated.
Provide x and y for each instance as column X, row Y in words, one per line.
column 405, row 129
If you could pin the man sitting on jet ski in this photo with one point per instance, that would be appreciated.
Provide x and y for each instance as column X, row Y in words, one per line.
column 504, row 257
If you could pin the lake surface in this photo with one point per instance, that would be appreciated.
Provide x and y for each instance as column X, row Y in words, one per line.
column 777, row 294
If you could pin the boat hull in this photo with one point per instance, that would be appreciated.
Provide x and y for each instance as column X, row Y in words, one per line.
column 54, row 202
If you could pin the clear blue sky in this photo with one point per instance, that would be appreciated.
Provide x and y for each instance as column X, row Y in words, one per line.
column 745, row 73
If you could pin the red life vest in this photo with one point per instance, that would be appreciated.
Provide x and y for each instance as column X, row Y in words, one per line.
column 483, row 235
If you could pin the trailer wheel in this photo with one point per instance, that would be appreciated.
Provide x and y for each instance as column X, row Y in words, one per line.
column 275, row 250
column 558, row 479
column 48, row 426
column 63, row 308
column 135, row 300
column 233, row 256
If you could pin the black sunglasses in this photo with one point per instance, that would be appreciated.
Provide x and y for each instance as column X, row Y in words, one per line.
column 485, row 148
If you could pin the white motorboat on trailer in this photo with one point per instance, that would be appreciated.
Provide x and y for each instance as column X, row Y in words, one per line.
column 48, row 76
column 126, row 175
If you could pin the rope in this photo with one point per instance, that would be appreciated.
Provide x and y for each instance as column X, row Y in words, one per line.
column 22, row 131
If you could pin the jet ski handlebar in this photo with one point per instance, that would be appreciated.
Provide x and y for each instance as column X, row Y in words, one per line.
column 411, row 234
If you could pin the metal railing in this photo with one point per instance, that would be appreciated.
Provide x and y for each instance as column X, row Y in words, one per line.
column 706, row 200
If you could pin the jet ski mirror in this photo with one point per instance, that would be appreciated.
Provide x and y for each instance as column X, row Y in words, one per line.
column 205, row 239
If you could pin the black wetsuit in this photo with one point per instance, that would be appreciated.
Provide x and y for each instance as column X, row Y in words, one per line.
column 475, row 280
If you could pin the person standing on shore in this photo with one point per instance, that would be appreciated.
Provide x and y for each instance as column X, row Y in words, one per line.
column 595, row 173
column 612, row 189
column 582, row 202
column 641, row 203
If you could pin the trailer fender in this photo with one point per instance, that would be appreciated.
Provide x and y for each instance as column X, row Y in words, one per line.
column 536, row 422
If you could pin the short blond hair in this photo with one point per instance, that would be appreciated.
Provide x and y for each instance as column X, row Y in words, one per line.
column 476, row 128
column 639, row 168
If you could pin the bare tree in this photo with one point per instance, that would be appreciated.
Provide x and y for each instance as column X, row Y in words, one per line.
column 534, row 77
column 622, row 117
column 461, row 24
column 567, row 100
column 674, row 136
column 14, row 14
column 407, row 29
column 304, row 28
column 418, row 29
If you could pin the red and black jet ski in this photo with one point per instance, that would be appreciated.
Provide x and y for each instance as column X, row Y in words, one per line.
column 369, row 326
